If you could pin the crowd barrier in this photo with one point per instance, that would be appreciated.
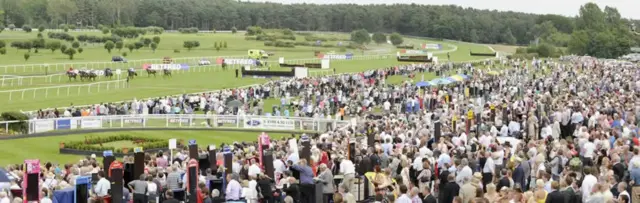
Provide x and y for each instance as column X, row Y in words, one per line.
column 186, row 121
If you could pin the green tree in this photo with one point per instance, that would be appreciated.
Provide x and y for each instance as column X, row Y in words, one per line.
column 119, row 45
column 379, row 38
column 473, row 36
column 138, row 45
column 146, row 41
column 27, row 45
column 41, row 28
column 190, row 45
column 154, row 46
column 156, row 39
column 215, row 44
column 131, row 46
column 360, row 36
column 26, row 28
column 63, row 48
column 26, row 56
column 53, row 45
column 39, row 36
column 70, row 52
column 234, row 30
column 80, row 50
column 105, row 31
column 3, row 50
column 109, row 45
column 2, row 44
column 224, row 44
column 508, row 37
column 76, row 45
column 396, row 39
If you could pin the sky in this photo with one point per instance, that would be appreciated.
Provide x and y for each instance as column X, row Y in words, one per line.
column 627, row 8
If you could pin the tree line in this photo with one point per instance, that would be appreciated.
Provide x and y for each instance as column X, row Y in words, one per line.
column 435, row 21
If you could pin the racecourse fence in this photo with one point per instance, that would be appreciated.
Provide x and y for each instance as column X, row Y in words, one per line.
column 63, row 90
column 17, row 80
column 48, row 68
column 184, row 121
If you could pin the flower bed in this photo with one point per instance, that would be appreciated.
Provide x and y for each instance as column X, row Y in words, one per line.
column 92, row 145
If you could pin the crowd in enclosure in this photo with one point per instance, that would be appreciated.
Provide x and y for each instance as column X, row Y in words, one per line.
column 541, row 131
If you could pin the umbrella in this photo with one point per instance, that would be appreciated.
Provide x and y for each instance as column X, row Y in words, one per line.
column 463, row 76
column 423, row 84
column 234, row 103
column 4, row 176
column 457, row 78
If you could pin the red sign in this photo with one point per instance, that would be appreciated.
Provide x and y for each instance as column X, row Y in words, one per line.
column 116, row 165
column 192, row 163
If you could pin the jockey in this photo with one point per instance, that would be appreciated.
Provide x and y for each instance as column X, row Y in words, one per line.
column 70, row 69
column 131, row 69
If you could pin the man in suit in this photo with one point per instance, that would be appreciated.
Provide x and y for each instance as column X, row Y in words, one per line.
column 428, row 197
column 292, row 189
column 569, row 192
column 504, row 180
column 519, row 176
column 555, row 195
column 618, row 168
column 451, row 189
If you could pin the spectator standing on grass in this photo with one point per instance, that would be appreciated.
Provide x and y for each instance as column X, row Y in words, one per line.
column 139, row 188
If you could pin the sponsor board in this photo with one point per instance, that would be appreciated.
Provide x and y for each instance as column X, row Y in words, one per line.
column 227, row 120
column 431, row 46
column 66, row 124
column 238, row 61
column 347, row 56
column 270, row 123
column 133, row 120
column 172, row 66
column 90, row 123
column 409, row 51
column 43, row 126
column 179, row 120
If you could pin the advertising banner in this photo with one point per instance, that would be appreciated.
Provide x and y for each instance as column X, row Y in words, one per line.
column 239, row 61
column 92, row 123
column 66, row 124
column 347, row 56
column 179, row 120
column 43, row 126
column 431, row 46
column 166, row 66
column 270, row 123
column 133, row 120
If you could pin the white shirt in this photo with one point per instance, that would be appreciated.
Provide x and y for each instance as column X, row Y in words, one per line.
column 236, row 167
column 588, row 149
column 5, row 200
column 46, row 200
column 489, row 167
column 279, row 167
column 404, row 198
column 152, row 188
column 347, row 167
column 587, row 185
column 102, row 187
column 500, row 156
column 254, row 170
column 465, row 172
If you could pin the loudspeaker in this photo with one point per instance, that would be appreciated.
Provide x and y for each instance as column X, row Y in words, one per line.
column 138, row 168
column 267, row 160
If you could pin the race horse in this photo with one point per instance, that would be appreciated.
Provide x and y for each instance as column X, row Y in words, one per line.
column 72, row 74
column 151, row 72
column 108, row 73
column 166, row 73
column 88, row 74
column 131, row 73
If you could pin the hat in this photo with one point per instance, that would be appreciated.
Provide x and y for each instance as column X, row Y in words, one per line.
column 93, row 156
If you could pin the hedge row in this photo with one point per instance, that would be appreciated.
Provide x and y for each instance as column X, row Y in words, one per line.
column 95, row 143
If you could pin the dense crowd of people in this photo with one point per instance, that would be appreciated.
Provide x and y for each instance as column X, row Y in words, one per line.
column 540, row 131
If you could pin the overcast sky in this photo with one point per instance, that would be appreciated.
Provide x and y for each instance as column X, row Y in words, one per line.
column 627, row 8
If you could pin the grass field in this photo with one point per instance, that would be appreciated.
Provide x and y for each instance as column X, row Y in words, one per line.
column 46, row 148
column 198, row 80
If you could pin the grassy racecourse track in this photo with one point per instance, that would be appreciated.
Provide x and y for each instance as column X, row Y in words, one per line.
column 14, row 79
column 24, row 86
